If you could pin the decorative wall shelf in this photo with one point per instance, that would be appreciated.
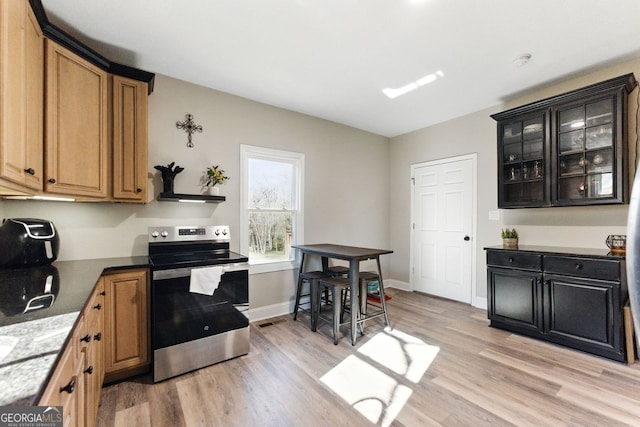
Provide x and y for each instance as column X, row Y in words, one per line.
column 195, row 198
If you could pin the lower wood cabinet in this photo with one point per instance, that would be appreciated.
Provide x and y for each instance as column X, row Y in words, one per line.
column 570, row 299
column 109, row 342
column 127, row 324
column 75, row 384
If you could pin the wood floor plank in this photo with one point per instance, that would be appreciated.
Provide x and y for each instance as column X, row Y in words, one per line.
column 440, row 365
column 137, row 415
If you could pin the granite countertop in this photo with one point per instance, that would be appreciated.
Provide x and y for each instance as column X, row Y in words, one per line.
column 30, row 342
column 558, row 250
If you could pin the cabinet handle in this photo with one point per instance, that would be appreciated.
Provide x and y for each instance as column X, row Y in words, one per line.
column 138, row 190
column 89, row 370
column 86, row 338
column 52, row 181
column 69, row 387
column 30, row 171
column 103, row 293
column 578, row 266
column 98, row 336
column 97, row 307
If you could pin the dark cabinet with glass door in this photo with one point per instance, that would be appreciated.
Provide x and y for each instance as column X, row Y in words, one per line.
column 590, row 149
column 524, row 153
column 566, row 150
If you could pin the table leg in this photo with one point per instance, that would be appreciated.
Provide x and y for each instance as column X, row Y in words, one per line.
column 354, row 278
column 383, row 297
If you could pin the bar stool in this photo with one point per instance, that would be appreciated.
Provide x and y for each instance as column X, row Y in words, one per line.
column 338, row 271
column 310, row 277
column 336, row 286
column 367, row 277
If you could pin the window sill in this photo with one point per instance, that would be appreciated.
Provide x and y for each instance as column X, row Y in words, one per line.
column 272, row 267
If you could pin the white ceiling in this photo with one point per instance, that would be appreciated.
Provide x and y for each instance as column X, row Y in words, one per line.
column 332, row 58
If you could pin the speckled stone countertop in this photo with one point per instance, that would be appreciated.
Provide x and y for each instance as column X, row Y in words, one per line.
column 33, row 333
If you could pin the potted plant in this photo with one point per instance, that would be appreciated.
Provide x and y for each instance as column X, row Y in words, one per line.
column 211, row 177
column 509, row 238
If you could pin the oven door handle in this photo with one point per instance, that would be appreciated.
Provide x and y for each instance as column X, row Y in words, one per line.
column 175, row 273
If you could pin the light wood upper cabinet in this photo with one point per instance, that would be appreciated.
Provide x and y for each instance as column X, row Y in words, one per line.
column 130, row 139
column 21, row 96
column 77, row 112
column 126, row 323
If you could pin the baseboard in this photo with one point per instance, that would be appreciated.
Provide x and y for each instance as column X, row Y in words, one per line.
column 282, row 308
column 269, row 311
column 391, row 283
column 480, row 302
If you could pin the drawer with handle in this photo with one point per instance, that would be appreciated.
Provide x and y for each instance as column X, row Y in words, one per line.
column 514, row 259
column 602, row 269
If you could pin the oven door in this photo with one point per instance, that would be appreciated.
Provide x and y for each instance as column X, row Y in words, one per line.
column 180, row 316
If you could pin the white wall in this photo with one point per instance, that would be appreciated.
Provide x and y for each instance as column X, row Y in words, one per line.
column 572, row 226
column 346, row 183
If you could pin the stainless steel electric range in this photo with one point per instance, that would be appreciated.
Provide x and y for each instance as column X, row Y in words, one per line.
column 199, row 299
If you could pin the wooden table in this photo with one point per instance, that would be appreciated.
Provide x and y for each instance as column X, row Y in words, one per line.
column 347, row 253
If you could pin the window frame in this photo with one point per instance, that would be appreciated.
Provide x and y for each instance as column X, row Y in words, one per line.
column 248, row 152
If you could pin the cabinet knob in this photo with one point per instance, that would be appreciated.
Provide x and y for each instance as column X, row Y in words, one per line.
column 86, row 338
column 138, row 190
column 52, row 181
column 89, row 370
column 30, row 171
column 69, row 387
column 98, row 336
column 510, row 259
column 97, row 307
column 578, row 266
column 103, row 293
column 467, row 238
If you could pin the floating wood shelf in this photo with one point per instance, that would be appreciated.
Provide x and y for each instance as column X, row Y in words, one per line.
column 202, row 198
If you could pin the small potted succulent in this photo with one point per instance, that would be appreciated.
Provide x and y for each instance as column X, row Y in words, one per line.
column 509, row 238
column 211, row 177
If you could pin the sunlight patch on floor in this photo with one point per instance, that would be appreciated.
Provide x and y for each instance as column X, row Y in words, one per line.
column 376, row 395
column 402, row 353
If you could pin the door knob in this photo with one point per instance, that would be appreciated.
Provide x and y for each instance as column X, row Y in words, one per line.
column 467, row 238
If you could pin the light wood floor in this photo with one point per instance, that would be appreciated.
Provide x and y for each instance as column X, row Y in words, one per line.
column 478, row 376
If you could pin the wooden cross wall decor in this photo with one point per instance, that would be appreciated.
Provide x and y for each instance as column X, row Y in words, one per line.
column 189, row 127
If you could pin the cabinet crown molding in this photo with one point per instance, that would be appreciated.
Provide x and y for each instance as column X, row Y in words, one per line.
column 59, row 36
column 626, row 81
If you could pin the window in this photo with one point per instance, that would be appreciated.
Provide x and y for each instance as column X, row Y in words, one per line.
column 271, row 206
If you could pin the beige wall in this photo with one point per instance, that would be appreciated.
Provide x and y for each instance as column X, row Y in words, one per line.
column 346, row 187
column 476, row 133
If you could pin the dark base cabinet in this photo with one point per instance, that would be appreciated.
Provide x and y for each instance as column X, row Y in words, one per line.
column 570, row 297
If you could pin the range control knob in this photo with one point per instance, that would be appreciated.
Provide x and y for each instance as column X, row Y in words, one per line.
column 217, row 232
column 164, row 233
column 155, row 234
column 224, row 231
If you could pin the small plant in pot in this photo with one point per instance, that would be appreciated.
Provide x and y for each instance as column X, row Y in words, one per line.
column 509, row 238
column 211, row 177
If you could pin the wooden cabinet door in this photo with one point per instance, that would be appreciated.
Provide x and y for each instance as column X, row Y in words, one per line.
column 127, row 325
column 130, row 139
column 66, row 387
column 77, row 140
column 515, row 300
column 21, row 95
column 585, row 314
column 94, row 361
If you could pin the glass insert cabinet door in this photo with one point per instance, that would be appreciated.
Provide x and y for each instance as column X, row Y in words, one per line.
column 586, row 151
column 523, row 161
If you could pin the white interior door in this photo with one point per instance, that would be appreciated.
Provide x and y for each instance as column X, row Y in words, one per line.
column 442, row 229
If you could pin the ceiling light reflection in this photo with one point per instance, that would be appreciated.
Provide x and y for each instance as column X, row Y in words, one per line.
column 429, row 78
